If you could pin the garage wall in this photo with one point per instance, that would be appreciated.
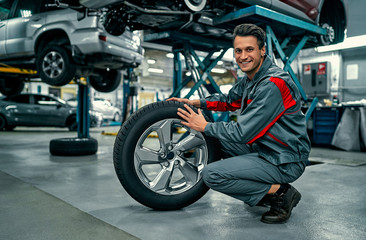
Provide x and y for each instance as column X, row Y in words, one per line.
column 353, row 81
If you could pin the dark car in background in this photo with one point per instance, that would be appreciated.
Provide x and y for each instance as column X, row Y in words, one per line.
column 40, row 110
column 198, row 16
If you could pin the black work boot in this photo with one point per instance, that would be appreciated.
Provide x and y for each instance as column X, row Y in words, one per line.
column 281, row 206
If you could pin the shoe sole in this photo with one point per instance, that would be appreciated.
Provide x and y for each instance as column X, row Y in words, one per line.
column 295, row 200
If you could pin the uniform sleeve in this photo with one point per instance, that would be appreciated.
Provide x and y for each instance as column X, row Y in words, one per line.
column 269, row 103
column 222, row 102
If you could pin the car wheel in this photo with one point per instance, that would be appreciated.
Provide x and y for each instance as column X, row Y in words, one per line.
column 55, row 66
column 2, row 123
column 159, row 161
column 106, row 81
column 195, row 5
column 73, row 146
column 11, row 85
column 332, row 22
column 117, row 117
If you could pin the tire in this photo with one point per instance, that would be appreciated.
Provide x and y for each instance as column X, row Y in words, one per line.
column 55, row 66
column 169, row 179
column 73, row 146
column 117, row 117
column 11, row 85
column 332, row 21
column 3, row 123
column 106, row 81
column 195, row 5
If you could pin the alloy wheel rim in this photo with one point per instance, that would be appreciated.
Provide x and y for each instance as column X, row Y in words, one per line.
column 175, row 163
column 53, row 64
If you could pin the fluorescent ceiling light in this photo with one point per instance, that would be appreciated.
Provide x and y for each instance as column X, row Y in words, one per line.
column 151, row 61
column 169, row 55
column 351, row 42
column 218, row 70
column 155, row 70
column 220, row 62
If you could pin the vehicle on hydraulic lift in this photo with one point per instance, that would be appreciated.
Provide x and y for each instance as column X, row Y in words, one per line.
column 39, row 110
column 62, row 42
column 196, row 16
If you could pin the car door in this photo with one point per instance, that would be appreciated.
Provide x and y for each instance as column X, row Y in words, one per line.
column 20, row 109
column 48, row 111
column 21, row 28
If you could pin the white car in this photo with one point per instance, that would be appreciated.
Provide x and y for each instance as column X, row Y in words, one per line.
column 110, row 112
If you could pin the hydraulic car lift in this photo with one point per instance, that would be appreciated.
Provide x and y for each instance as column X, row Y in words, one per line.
column 187, row 44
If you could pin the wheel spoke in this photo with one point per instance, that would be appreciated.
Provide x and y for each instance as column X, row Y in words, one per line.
column 190, row 142
column 162, row 180
column 146, row 156
column 189, row 171
column 165, row 133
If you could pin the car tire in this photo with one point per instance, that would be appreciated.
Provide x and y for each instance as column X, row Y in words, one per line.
column 73, row 146
column 106, row 81
column 195, row 5
column 138, row 181
column 2, row 122
column 11, row 85
column 55, row 66
column 117, row 117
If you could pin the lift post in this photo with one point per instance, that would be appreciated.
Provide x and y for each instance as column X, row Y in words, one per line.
column 82, row 115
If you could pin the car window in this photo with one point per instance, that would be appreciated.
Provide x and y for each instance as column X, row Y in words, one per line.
column 26, row 8
column 19, row 99
column 44, row 100
column 5, row 7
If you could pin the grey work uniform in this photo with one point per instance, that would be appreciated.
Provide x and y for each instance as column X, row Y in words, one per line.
column 267, row 145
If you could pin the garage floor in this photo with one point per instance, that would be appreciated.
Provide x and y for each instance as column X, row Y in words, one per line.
column 50, row 197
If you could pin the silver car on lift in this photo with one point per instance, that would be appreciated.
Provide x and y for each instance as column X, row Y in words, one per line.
column 62, row 40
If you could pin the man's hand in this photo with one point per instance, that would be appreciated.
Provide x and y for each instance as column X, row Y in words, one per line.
column 192, row 119
column 195, row 102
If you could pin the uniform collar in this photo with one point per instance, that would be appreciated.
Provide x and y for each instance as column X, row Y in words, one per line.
column 267, row 62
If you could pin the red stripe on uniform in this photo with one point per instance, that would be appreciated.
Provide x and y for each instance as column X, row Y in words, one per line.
column 277, row 140
column 287, row 100
column 223, row 106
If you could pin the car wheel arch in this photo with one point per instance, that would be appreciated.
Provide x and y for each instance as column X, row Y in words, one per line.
column 54, row 36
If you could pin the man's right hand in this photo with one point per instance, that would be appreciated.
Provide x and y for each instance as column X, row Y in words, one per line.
column 195, row 102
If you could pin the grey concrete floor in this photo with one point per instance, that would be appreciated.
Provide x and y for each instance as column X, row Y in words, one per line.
column 51, row 197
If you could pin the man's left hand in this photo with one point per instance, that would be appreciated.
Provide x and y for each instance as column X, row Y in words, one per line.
column 193, row 120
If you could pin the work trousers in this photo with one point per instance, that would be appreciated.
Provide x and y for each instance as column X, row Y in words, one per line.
column 246, row 176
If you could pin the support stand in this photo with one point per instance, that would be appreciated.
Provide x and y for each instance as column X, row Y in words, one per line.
column 82, row 116
column 83, row 144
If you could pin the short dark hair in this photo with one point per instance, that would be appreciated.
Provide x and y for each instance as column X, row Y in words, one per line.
column 248, row 29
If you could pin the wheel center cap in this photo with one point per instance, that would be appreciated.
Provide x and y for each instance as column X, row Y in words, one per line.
column 170, row 156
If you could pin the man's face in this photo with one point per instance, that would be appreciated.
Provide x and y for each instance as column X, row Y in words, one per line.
column 248, row 55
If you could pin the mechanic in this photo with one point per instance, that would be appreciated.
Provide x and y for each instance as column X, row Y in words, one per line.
column 267, row 147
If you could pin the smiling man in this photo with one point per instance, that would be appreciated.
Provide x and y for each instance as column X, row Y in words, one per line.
column 267, row 147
